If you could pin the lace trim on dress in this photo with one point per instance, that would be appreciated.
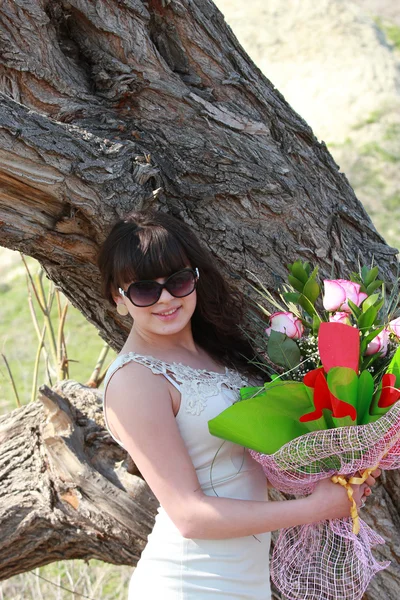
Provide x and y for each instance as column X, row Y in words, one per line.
column 196, row 385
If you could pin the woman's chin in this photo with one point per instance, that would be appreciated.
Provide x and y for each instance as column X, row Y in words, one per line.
column 172, row 326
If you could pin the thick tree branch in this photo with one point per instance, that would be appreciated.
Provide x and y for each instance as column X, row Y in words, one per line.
column 65, row 487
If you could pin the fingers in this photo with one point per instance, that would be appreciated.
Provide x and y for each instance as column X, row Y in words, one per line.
column 365, row 491
column 370, row 480
column 361, row 493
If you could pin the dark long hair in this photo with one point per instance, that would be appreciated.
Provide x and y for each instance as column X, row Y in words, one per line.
column 148, row 245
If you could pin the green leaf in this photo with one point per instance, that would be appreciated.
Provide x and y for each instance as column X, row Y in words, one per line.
column 343, row 422
column 367, row 319
column 368, row 361
column 364, row 272
column 299, row 272
column 371, row 276
column 311, row 290
column 375, row 410
column 308, row 307
column 268, row 421
column 283, row 351
column 373, row 286
column 343, row 383
column 296, row 283
column 354, row 309
column 291, row 297
column 355, row 277
column 370, row 301
column 364, row 395
column 316, row 322
column 250, row 392
column 379, row 305
column 371, row 419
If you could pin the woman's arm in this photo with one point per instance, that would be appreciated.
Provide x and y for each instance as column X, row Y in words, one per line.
column 139, row 408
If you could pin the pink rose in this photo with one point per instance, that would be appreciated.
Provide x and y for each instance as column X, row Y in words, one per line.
column 340, row 317
column 286, row 322
column 379, row 344
column 338, row 291
column 394, row 327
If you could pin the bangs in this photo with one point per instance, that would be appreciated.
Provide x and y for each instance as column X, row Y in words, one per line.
column 148, row 253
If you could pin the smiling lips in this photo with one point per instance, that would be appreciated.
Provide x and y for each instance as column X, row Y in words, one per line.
column 168, row 313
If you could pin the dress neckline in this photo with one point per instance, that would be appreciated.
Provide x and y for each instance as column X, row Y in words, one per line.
column 179, row 364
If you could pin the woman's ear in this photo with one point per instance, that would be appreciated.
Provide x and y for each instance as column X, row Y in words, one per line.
column 119, row 300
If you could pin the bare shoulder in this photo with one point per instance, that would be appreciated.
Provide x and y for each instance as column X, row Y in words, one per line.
column 131, row 382
column 135, row 396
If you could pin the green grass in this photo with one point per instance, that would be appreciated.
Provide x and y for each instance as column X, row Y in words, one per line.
column 376, row 150
column 374, row 117
column 19, row 341
column 393, row 204
column 392, row 133
column 391, row 31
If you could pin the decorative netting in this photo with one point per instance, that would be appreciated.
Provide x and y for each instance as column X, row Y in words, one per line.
column 328, row 560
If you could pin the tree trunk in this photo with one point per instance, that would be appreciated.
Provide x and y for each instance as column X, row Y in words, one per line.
column 116, row 105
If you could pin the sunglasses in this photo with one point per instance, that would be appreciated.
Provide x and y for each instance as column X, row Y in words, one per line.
column 147, row 293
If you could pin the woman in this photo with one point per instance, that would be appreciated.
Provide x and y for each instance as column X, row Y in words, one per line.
column 184, row 362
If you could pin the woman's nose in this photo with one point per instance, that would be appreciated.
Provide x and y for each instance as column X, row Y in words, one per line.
column 165, row 296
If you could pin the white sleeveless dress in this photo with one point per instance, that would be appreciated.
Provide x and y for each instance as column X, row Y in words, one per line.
column 175, row 568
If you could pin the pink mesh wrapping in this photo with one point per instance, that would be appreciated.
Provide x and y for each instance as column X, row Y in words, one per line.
column 326, row 560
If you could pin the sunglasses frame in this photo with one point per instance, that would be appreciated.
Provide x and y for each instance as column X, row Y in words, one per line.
column 194, row 271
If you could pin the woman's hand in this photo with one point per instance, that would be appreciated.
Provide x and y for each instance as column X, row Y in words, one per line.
column 331, row 499
column 370, row 481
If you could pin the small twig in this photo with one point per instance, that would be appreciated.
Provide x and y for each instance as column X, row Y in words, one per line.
column 33, row 313
column 38, row 591
column 38, row 333
column 66, row 359
column 14, row 387
column 36, row 365
column 95, row 379
column 62, row 346
column 32, row 282
column 46, row 308
column 61, row 587
column 62, row 362
column 59, row 307
column 48, row 368
column 101, row 377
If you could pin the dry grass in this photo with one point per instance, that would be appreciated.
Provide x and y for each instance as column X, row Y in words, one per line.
column 66, row 580
column 69, row 580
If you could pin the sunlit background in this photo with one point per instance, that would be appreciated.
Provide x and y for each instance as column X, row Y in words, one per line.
column 337, row 63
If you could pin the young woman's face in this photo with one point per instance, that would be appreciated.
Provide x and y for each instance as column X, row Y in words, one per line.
column 168, row 316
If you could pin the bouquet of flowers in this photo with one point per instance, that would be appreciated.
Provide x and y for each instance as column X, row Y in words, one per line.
column 330, row 409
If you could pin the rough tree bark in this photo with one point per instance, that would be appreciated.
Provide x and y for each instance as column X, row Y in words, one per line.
column 112, row 105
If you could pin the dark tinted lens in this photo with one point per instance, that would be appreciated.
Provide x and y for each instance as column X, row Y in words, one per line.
column 144, row 293
column 181, row 284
